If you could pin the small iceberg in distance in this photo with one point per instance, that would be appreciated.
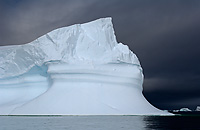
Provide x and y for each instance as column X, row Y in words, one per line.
column 185, row 109
column 75, row 70
column 186, row 112
column 198, row 108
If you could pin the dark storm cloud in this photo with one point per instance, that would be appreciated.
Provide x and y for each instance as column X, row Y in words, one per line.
column 163, row 34
column 35, row 18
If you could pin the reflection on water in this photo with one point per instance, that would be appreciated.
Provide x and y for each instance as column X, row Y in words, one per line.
column 98, row 122
column 172, row 122
column 71, row 122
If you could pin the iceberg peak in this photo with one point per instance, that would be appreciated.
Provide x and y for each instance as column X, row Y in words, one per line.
column 92, row 42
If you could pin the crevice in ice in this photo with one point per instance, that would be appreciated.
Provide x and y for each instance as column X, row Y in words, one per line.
column 113, row 108
column 2, row 68
column 48, row 37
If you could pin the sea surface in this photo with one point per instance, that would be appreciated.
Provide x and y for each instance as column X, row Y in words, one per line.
column 99, row 122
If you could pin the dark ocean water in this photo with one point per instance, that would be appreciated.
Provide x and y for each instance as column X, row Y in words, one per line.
column 99, row 122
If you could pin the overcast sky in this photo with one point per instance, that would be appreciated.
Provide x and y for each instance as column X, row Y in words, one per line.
column 164, row 34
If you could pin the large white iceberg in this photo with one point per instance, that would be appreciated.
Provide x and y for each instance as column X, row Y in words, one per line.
column 75, row 70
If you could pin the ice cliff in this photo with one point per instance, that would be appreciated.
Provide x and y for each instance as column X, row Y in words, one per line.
column 75, row 70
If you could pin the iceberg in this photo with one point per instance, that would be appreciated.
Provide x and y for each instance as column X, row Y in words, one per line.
column 75, row 70
column 198, row 108
column 185, row 109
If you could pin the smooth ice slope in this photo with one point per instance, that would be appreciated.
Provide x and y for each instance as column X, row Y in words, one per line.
column 75, row 70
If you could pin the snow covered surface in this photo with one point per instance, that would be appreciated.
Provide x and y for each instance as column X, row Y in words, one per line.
column 75, row 70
